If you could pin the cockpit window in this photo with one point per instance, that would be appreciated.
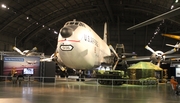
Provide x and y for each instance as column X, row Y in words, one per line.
column 81, row 24
column 71, row 23
column 75, row 23
column 67, row 23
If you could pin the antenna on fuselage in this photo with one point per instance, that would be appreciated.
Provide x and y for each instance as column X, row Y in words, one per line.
column 105, row 32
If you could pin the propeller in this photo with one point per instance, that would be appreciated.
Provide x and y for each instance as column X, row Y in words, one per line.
column 159, row 55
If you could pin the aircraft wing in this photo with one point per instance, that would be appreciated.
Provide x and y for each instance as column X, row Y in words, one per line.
column 166, row 15
column 138, row 58
column 172, row 56
column 144, row 58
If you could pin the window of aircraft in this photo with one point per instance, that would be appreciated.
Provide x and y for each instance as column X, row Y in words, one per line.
column 67, row 23
column 75, row 23
column 71, row 23
column 81, row 24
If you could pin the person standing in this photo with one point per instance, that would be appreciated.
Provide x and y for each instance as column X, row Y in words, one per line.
column 174, row 83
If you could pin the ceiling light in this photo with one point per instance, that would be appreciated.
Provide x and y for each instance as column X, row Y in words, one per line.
column 155, row 32
column 55, row 32
column 43, row 26
column 27, row 17
column 3, row 6
column 172, row 6
column 176, row 1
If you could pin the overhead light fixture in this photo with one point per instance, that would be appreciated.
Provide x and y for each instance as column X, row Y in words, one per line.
column 172, row 6
column 43, row 26
column 176, row 1
column 27, row 17
column 3, row 6
column 55, row 32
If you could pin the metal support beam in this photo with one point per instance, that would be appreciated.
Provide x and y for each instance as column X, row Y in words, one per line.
column 109, row 10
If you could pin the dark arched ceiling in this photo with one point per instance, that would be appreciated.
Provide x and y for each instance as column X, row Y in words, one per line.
column 54, row 13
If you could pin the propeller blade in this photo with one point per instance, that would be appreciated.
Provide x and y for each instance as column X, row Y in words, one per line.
column 19, row 51
column 170, row 51
column 114, row 51
column 170, row 45
column 159, row 63
column 150, row 49
column 115, row 64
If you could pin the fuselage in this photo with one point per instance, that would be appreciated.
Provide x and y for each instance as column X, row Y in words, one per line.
column 79, row 47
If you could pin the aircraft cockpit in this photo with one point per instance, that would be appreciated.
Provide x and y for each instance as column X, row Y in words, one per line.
column 72, row 23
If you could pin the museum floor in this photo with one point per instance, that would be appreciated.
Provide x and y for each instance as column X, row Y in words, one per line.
column 84, row 92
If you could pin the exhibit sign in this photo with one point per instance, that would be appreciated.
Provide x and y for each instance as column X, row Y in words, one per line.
column 178, row 72
column 21, row 65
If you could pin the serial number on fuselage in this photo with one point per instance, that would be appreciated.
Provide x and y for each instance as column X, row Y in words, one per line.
column 66, row 47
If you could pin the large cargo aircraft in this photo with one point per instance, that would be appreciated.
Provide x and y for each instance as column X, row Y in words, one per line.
column 79, row 47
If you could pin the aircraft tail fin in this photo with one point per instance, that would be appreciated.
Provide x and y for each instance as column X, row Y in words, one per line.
column 105, row 32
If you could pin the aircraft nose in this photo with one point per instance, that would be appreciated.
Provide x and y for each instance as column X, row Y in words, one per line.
column 66, row 32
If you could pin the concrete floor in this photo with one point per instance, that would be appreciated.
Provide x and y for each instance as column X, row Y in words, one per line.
column 84, row 92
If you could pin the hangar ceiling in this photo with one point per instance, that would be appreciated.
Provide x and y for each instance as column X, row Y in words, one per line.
column 46, row 17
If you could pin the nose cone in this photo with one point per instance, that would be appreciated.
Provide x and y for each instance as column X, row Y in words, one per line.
column 66, row 32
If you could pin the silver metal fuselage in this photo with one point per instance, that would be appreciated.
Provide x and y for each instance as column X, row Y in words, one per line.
column 84, row 49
